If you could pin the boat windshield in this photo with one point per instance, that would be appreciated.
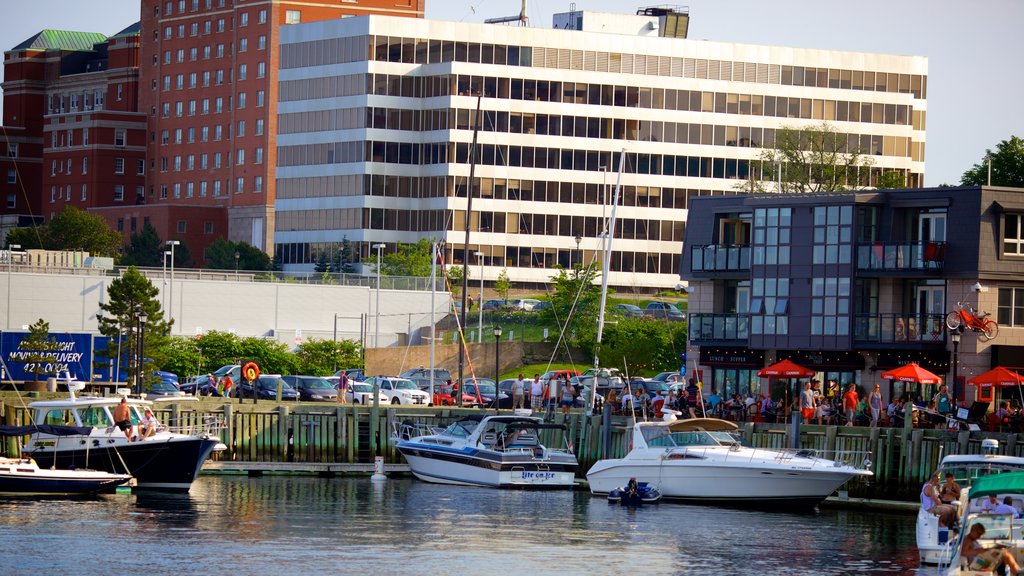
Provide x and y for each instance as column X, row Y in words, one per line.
column 660, row 437
column 461, row 429
column 95, row 416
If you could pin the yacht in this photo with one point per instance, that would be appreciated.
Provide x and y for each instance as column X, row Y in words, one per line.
column 1002, row 530
column 167, row 460
column 22, row 476
column 933, row 544
column 702, row 460
column 497, row 451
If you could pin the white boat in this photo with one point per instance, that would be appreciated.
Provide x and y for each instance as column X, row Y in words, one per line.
column 932, row 544
column 1002, row 530
column 22, row 476
column 497, row 451
column 702, row 460
column 170, row 459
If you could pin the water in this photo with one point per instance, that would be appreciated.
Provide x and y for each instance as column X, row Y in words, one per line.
column 297, row 525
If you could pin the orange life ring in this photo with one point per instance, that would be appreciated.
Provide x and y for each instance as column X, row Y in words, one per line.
column 251, row 371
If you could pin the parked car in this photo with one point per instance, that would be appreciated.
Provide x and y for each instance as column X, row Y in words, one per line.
column 400, row 390
column 312, row 388
column 421, row 376
column 163, row 388
column 442, row 393
column 654, row 386
column 664, row 311
column 506, row 387
column 169, row 377
column 494, row 305
column 629, row 310
column 542, row 305
column 354, row 374
column 527, row 304
column 362, row 393
column 487, row 391
column 669, row 377
column 266, row 388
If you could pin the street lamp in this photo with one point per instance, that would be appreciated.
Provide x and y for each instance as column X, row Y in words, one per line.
column 140, row 349
column 163, row 278
column 579, row 239
column 10, row 265
column 237, row 255
column 376, row 335
column 480, row 303
column 497, row 363
column 170, row 310
column 954, row 335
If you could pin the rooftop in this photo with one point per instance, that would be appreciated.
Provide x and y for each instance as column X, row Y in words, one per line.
column 61, row 40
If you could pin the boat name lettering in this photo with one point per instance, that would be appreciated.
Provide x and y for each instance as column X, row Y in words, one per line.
column 538, row 475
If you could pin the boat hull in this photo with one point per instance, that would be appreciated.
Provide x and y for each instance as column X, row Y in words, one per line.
column 489, row 468
column 170, row 464
column 29, row 480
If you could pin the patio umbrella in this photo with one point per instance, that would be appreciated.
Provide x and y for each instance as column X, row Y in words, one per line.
column 1001, row 377
column 911, row 373
column 784, row 370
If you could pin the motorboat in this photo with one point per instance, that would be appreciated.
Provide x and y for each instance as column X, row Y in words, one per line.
column 702, row 460
column 932, row 541
column 635, row 494
column 1003, row 530
column 169, row 459
column 22, row 476
column 497, row 451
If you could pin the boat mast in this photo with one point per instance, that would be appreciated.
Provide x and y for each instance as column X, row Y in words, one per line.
column 609, row 234
column 465, row 243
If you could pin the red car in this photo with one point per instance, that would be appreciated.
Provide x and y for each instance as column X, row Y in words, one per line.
column 442, row 394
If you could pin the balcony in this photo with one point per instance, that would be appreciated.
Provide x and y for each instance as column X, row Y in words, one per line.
column 707, row 328
column 719, row 258
column 909, row 257
column 900, row 329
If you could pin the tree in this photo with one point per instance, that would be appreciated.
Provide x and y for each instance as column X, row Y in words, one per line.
column 575, row 299
column 144, row 248
column 1007, row 166
column 39, row 347
column 408, row 259
column 324, row 357
column 127, row 296
column 72, row 229
column 322, row 263
column 810, row 160
column 454, row 274
column 184, row 356
column 221, row 256
column 502, row 285
column 343, row 257
column 647, row 345
column 182, row 255
column 892, row 180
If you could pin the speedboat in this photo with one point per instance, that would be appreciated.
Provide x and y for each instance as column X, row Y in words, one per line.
column 79, row 432
column 932, row 543
column 702, row 460
column 22, row 476
column 497, row 451
column 1004, row 530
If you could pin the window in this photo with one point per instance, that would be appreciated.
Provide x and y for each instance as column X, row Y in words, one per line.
column 163, row 191
column 259, row 98
column 12, row 176
column 178, row 109
column 206, row 27
column 259, row 156
column 769, row 303
column 241, row 100
column 243, row 45
column 244, row 19
column 190, row 162
column 120, row 224
column 191, row 107
column 203, row 161
column 257, row 184
column 216, row 160
column 217, row 133
column 292, row 17
column 192, row 84
column 206, row 52
column 220, row 28
column 167, row 56
column 241, row 156
column 12, row 201
column 168, row 32
column 207, row 226
column 165, row 136
column 85, row 190
column 12, row 149
column 177, row 190
column 177, row 163
column 202, row 188
column 181, row 30
column 833, row 232
column 1010, row 311
column 163, row 163
column 206, row 106
column 1013, row 235
column 239, row 185
column 85, row 136
column 261, row 42
column 191, row 135
column 119, row 138
column 261, row 69
column 259, row 127
column 220, row 50
column 242, row 69
column 204, row 134
column 262, row 16
column 140, row 167
column 189, row 189
column 53, row 194
column 181, row 226
column 216, row 188
column 177, row 135
column 830, row 306
column 179, row 81
column 241, row 128
column 118, row 165
column 167, row 109
column 85, row 165
column 118, row 193
column 120, row 91
column 219, row 77
column 218, row 105
column 194, row 29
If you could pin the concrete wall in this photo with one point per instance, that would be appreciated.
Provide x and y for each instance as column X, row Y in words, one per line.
column 70, row 303
column 513, row 355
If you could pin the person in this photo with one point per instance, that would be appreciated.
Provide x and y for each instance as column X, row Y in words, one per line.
column 123, row 419
column 536, row 393
column 819, row 399
column 211, row 384
column 343, row 388
column 850, row 405
column 518, row 389
column 714, row 401
column 657, row 403
column 949, row 493
column 1006, row 508
column 568, row 395
column 985, row 559
column 612, row 398
column 930, row 503
column 989, row 506
column 148, row 425
column 875, row 403
column 469, row 303
column 943, row 402
column 1004, row 411
column 627, row 401
column 228, row 385
column 692, row 397
column 807, row 402
column 767, row 408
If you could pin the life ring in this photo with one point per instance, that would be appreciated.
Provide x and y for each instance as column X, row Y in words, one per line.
column 251, row 371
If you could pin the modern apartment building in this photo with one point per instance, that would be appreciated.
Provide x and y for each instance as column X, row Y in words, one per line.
column 208, row 85
column 854, row 283
column 376, row 117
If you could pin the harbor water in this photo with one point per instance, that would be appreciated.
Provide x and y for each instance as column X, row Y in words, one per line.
column 238, row 525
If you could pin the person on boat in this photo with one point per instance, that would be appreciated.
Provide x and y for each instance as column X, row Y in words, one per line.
column 632, row 487
column 930, row 503
column 536, row 393
column 807, row 402
column 949, row 493
column 850, row 405
column 989, row 506
column 875, row 404
column 518, row 390
column 148, row 425
column 985, row 559
column 123, row 419
column 1006, row 508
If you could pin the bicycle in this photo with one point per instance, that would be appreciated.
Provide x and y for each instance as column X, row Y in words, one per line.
column 966, row 316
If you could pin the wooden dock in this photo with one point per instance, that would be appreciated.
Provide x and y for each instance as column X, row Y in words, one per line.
column 323, row 469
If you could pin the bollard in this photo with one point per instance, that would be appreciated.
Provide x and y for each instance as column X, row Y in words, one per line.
column 378, row 470
column 291, row 445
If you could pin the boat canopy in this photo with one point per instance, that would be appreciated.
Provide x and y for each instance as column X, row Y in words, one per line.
column 50, row 429
column 1007, row 482
column 703, row 424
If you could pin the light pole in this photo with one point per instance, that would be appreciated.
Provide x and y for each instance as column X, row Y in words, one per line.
column 163, row 277
column 237, row 255
column 480, row 304
column 140, row 349
column 954, row 335
column 497, row 363
column 170, row 309
column 10, row 265
column 578, row 239
column 376, row 334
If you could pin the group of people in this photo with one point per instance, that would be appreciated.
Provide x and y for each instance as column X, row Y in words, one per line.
column 147, row 426
column 539, row 392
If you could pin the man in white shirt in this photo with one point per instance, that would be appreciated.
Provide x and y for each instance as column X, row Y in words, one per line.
column 1006, row 508
column 536, row 393
column 627, row 402
column 518, row 391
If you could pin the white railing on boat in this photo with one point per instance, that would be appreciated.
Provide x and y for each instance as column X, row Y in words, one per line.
column 857, row 459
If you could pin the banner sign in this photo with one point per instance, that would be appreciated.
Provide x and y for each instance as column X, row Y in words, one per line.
column 74, row 354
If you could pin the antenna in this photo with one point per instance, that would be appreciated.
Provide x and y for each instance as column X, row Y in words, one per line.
column 522, row 18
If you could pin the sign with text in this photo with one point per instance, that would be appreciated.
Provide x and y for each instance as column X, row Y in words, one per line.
column 73, row 354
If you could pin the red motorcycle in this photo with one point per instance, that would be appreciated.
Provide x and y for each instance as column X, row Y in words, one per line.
column 966, row 316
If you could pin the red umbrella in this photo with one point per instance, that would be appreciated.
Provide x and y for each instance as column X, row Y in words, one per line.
column 911, row 373
column 785, row 369
column 998, row 376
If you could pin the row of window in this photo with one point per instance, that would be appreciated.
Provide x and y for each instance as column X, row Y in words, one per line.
column 62, row 102
column 202, row 107
column 169, row 7
column 422, row 51
column 193, row 28
column 203, row 187
column 190, row 135
column 217, row 77
column 59, row 167
column 66, row 138
column 193, row 52
column 64, row 193
column 189, row 162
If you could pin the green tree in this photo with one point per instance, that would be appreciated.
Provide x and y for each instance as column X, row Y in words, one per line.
column 71, row 229
column 502, row 285
column 127, row 296
column 323, row 265
column 40, row 348
column 324, row 357
column 221, row 256
column 182, row 255
column 144, row 248
column 1007, row 166
column 891, row 180
column 454, row 274
column 638, row 345
column 408, row 259
column 343, row 257
column 185, row 357
column 272, row 357
column 575, row 300
column 218, row 348
column 807, row 160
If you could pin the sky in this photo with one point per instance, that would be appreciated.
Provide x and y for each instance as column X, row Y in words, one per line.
column 974, row 76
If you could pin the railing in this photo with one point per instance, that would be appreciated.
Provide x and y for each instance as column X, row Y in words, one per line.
column 719, row 258
column 899, row 328
column 705, row 327
column 895, row 257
